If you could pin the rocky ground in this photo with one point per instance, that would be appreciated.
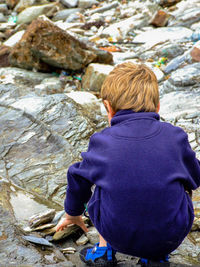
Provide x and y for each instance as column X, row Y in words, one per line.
column 54, row 57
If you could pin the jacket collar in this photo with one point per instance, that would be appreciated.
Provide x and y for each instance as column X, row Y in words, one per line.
column 128, row 114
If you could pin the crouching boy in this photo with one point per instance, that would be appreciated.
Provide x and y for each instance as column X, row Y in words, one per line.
column 142, row 169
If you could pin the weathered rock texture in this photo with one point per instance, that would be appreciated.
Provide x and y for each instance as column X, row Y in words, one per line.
column 45, row 45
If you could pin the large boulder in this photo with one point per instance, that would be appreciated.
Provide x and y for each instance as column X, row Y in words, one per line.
column 44, row 45
column 40, row 136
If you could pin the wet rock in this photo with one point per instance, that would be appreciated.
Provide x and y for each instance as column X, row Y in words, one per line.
column 22, row 4
column 160, row 18
column 31, row 13
column 87, row 3
column 14, row 39
column 65, row 13
column 195, row 52
column 82, row 240
column 93, row 235
column 37, row 240
column 42, row 218
column 13, row 249
column 69, row 3
column 4, row 56
column 95, row 75
column 58, row 49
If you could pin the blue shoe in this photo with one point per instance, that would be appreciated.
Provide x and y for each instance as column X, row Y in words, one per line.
column 98, row 256
column 154, row 263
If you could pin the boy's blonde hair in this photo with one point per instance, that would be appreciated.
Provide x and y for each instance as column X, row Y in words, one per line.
column 131, row 86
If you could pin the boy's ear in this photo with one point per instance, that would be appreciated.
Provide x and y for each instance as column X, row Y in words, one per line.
column 109, row 109
column 158, row 107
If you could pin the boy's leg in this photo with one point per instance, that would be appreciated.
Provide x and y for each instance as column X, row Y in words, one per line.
column 102, row 241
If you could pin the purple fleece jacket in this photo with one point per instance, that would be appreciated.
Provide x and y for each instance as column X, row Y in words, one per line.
column 141, row 168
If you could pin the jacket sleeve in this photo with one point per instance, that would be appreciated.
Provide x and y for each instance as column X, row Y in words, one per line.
column 192, row 166
column 80, row 178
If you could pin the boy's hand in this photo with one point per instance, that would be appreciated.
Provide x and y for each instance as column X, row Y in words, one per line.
column 71, row 220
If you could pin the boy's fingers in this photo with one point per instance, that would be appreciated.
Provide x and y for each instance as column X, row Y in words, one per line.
column 83, row 226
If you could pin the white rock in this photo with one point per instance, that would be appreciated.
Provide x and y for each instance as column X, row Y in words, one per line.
column 69, row 3
column 82, row 240
column 95, row 75
column 155, row 36
column 14, row 39
column 120, row 29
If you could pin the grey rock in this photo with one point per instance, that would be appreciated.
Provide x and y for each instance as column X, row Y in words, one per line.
column 69, row 3
column 37, row 240
column 186, row 18
column 65, row 13
column 86, row 3
column 187, row 76
column 31, row 13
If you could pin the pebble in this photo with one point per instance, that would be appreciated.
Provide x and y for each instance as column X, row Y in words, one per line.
column 82, row 240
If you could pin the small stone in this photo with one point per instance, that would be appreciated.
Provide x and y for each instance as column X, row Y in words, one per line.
column 93, row 235
column 160, row 18
column 69, row 250
column 14, row 39
column 195, row 53
column 82, row 240
column 69, row 3
column 95, row 75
